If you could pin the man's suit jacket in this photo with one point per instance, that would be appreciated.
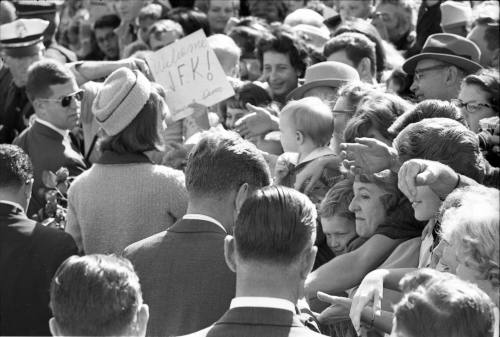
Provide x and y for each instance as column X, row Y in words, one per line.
column 29, row 256
column 184, row 277
column 257, row 322
column 48, row 151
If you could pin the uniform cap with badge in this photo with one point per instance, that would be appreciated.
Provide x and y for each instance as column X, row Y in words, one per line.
column 22, row 37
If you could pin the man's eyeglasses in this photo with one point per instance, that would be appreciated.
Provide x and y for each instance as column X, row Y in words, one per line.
column 469, row 106
column 419, row 73
column 66, row 100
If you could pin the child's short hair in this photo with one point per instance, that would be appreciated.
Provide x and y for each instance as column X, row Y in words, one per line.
column 312, row 117
column 337, row 200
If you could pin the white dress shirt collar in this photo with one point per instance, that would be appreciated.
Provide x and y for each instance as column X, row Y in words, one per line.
column 204, row 218
column 262, row 302
column 62, row 132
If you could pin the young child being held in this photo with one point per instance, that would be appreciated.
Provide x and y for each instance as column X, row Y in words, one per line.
column 306, row 127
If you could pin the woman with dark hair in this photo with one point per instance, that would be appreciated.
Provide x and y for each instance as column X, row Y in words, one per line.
column 373, row 117
column 284, row 59
column 124, row 197
column 383, row 216
column 479, row 97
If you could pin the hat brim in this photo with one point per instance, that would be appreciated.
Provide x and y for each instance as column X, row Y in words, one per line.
column 461, row 62
column 298, row 93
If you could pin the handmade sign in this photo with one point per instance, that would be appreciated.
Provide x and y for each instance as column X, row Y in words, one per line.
column 190, row 72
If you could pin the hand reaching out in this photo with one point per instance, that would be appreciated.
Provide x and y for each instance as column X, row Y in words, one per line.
column 258, row 122
column 337, row 311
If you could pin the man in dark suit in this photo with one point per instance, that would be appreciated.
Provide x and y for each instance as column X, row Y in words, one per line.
column 29, row 252
column 272, row 252
column 184, row 277
column 56, row 97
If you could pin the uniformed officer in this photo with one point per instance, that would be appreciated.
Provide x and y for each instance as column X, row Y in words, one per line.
column 20, row 45
column 46, row 10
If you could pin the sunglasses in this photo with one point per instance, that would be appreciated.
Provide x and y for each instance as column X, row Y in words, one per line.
column 66, row 100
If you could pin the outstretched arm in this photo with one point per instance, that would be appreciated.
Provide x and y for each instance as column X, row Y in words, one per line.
column 348, row 270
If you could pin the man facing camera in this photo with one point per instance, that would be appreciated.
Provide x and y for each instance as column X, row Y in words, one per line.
column 97, row 295
column 56, row 97
column 272, row 252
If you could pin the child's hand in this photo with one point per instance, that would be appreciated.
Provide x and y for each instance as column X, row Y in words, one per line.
column 281, row 169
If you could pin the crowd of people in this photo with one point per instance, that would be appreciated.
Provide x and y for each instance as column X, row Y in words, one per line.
column 349, row 187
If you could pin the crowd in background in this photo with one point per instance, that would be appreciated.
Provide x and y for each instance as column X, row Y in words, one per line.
column 349, row 187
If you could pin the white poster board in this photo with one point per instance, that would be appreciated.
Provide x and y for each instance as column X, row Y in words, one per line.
column 190, row 72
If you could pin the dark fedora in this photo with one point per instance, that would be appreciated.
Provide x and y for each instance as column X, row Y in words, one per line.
column 449, row 48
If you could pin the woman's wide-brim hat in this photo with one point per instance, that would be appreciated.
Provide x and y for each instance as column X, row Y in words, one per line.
column 325, row 74
column 448, row 48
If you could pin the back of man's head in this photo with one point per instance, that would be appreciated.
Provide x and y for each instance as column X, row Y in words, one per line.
column 15, row 167
column 221, row 162
column 43, row 74
column 275, row 226
column 97, row 295
column 356, row 47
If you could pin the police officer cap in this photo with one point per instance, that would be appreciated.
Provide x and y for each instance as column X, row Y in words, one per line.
column 22, row 37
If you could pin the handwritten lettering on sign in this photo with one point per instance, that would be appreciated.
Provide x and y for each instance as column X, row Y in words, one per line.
column 190, row 72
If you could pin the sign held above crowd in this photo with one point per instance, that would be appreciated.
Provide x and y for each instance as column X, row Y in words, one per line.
column 190, row 72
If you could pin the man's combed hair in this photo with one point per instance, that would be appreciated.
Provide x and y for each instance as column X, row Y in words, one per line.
column 430, row 108
column 221, row 162
column 439, row 304
column 95, row 295
column 43, row 74
column 356, row 46
column 15, row 166
column 275, row 225
column 337, row 200
column 443, row 140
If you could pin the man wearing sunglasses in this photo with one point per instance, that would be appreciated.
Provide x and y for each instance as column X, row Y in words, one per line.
column 55, row 96
column 439, row 69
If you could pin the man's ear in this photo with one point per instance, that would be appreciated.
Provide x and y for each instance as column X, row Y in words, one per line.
column 142, row 320
column 451, row 76
column 37, row 104
column 54, row 328
column 307, row 261
column 241, row 196
column 229, row 252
